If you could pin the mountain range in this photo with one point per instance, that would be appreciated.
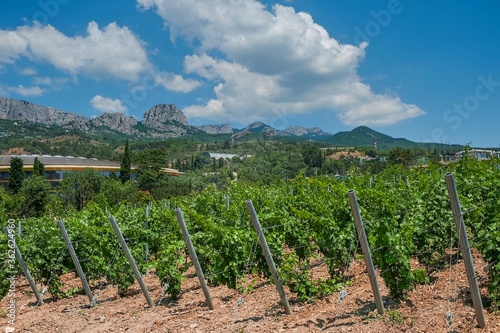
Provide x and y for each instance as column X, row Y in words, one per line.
column 160, row 121
column 167, row 121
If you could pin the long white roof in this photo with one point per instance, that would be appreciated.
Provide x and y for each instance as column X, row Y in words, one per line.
column 48, row 160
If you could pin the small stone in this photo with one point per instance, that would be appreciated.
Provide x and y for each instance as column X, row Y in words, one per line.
column 9, row 329
column 102, row 320
column 193, row 325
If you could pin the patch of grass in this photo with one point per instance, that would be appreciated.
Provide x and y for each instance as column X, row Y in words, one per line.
column 396, row 317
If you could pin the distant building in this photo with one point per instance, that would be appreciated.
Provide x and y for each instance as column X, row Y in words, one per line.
column 480, row 154
column 219, row 155
column 172, row 172
column 56, row 166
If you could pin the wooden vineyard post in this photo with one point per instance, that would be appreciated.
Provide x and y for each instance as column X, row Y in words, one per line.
column 22, row 263
column 465, row 249
column 78, row 267
column 147, row 245
column 365, row 247
column 194, row 258
column 267, row 254
column 130, row 259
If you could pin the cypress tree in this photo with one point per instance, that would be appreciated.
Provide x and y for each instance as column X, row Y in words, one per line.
column 125, row 165
column 16, row 174
column 38, row 168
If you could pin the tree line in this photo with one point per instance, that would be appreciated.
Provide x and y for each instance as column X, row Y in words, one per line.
column 264, row 162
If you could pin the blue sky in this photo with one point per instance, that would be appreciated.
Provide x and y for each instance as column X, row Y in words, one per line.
column 420, row 70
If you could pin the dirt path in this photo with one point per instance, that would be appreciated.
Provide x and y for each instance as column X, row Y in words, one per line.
column 257, row 311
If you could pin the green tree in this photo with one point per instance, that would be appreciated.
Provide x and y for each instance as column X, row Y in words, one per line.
column 147, row 178
column 125, row 165
column 38, row 168
column 35, row 191
column 16, row 174
column 400, row 156
column 153, row 159
column 313, row 157
column 115, row 192
column 79, row 187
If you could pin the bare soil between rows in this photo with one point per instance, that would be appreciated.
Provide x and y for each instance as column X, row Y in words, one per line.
column 259, row 310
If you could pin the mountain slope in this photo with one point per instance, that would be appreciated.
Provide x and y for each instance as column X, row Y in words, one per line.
column 12, row 109
column 167, row 121
column 363, row 136
column 160, row 121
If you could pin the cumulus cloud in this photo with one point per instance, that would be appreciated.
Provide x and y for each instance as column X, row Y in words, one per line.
column 108, row 52
column 176, row 83
column 12, row 46
column 27, row 91
column 109, row 105
column 28, row 71
column 271, row 63
column 112, row 51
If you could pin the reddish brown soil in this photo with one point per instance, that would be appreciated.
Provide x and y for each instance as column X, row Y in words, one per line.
column 15, row 151
column 260, row 309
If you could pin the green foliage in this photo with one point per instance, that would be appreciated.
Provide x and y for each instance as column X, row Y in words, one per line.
column 313, row 156
column 306, row 221
column 151, row 159
column 35, row 191
column 38, row 168
column 16, row 174
column 79, row 188
column 114, row 192
column 396, row 317
column 125, row 164
column 401, row 156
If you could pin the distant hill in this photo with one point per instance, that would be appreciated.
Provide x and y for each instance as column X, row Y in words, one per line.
column 363, row 136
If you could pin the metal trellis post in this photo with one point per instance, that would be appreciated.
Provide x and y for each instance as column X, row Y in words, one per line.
column 365, row 247
column 78, row 267
column 24, row 268
column 269, row 258
column 194, row 258
column 130, row 259
column 465, row 249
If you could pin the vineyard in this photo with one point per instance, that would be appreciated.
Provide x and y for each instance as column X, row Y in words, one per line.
column 307, row 222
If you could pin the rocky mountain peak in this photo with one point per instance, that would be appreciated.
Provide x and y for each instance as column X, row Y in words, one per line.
column 216, row 129
column 13, row 109
column 296, row 130
column 116, row 121
column 160, row 114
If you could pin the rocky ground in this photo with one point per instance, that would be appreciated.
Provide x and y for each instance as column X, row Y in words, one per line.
column 258, row 310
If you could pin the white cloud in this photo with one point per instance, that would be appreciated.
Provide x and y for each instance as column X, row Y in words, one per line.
column 112, row 51
column 28, row 71
column 272, row 64
column 43, row 80
column 108, row 52
column 12, row 46
column 3, row 91
column 109, row 105
column 176, row 83
column 27, row 91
